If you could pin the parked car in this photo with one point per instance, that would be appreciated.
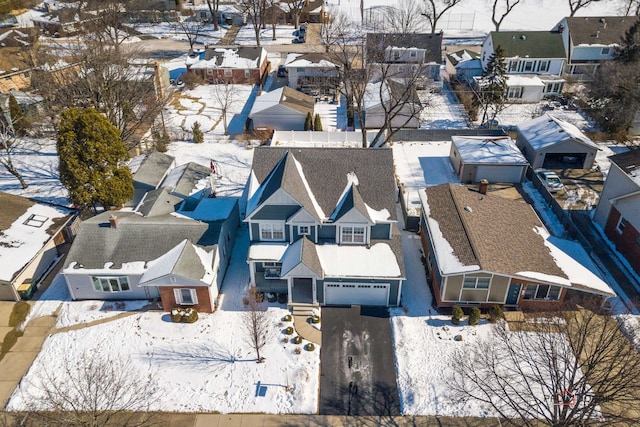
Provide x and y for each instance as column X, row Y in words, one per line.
column 550, row 180
column 282, row 71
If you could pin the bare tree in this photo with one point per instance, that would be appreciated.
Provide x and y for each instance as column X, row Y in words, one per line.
column 294, row 8
column 89, row 390
column 272, row 15
column 630, row 7
column 572, row 368
column 9, row 144
column 500, row 9
column 576, row 5
column 404, row 17
column 434, row 9
column 256, row 323
column 190, row 27
column 255, row 12
column 214, row 7
column 226, row 96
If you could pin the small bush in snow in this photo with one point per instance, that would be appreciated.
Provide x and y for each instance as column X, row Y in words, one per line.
column 297, row 350
column 287, row 318
column 456, row 315
column 474, row 316
column 310, row 347
column 297, row 340
column 190, row 315
column 315, row 319
column 176, row 315
column 289, row 330
column 495, row 313
column 271, row 297
column 282, row 298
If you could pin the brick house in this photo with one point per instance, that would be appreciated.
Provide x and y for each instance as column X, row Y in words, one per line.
column 242, row 65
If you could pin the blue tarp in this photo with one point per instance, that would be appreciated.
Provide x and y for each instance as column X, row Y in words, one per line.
column 176, row 73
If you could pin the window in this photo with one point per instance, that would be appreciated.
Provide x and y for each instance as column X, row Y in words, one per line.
column 528, row 65
column 272, row 270
column 476, row 282
column 228, row 72
column 36, row 220
column 513, row 66
column 352, row 234
column 605, row 51
column 271, row 231
column 515, row 92
column 396, row 55
column 622, row 223
column 247, row 74
column 185, row 296
column 111, row 284
column 544, row 66
column 413, row 54
column 553, row 88
column 209, row 72
column 541, row 292
column 304, row 229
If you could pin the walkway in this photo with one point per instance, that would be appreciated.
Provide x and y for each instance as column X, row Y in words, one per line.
column 306, row 330
column 601, row 249
column 229, row 37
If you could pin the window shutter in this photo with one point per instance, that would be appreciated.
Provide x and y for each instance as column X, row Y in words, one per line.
column 194, row 296
column 176, row 294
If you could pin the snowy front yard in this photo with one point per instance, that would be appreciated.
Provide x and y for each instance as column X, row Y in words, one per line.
column 206, row 366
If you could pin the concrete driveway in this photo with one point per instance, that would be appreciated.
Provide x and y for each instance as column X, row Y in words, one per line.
column 358, row 375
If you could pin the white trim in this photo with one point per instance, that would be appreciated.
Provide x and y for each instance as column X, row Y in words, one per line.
column 339, row 236
column 621, row 224
column 178, row 293
column 271, row 224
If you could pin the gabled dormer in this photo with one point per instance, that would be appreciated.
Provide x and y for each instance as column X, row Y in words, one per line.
column 353, row 224
column 283, row 195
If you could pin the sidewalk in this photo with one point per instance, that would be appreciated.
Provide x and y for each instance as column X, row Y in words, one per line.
column 306, row 331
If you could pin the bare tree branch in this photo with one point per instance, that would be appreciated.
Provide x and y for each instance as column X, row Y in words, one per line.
column 434, row 9
column 500, row 9
column 256, row 322
column 576, row 5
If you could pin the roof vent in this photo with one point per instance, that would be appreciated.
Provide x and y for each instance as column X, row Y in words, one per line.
column 603, row 21
column 597, row 34
column 468, row 209
column 523, row 37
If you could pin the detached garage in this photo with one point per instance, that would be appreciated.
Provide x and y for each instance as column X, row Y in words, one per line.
column 494, row 158
column 281, row 109
column 548, row 142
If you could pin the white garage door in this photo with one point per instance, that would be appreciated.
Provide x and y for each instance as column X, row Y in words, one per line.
column 499, row 173
column 356, row 293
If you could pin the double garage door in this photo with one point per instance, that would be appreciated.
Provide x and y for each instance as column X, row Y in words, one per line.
column 356, row 294
column 500, row 173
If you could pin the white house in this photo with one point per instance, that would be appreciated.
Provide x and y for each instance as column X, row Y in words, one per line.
column 282, row 109
column 312, row 73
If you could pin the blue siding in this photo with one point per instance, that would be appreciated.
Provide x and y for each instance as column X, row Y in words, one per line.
column 380, row 231
column 327, row 232
column 311, row 236
column 275, row 212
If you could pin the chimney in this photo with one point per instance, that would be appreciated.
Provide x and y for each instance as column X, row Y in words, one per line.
column 484, row 184
column 113, row 221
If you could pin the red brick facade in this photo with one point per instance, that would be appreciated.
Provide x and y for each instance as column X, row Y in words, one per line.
column 627, row 242
column 251, row 76
column 205, row 305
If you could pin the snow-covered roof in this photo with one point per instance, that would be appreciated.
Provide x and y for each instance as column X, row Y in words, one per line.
column 493, row 150
column 519, row 80
column 308, row 60
column 358, row 261
column 211, row 209
column 237, row 58
column 547, row 130
column 186, row 260
column 26, row 236
column 267, row 251
column 629, row 163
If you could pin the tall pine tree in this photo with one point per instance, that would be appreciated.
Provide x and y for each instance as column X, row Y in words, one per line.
column 491, row 95
column 92, row 156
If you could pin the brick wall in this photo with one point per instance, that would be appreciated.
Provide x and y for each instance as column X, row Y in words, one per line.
column 169, row 301
column 627, row 242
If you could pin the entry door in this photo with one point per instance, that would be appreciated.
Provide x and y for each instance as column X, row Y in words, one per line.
column 514, row 293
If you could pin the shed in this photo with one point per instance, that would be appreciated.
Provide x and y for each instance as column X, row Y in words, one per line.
column 550, row 142
column 282, row 109
column 496, row 159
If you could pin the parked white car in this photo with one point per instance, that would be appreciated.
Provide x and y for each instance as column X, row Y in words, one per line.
column 550, row 180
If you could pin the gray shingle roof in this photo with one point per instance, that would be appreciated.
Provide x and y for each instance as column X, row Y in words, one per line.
column 490, row 231
column 628, row 161
column 158, row 202
column 532, row 44
column 352, row 199
column 377, row 42
column 603, row 30
column 153, row 169
column 326, row 171
column 297, row 100
column 189, row 264
column 187, row 177
column 136, row 238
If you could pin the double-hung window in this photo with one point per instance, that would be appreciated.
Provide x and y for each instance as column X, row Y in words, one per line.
column 622, row 223
column 272, row 231
column 111, row 284
column 185, row 296
column 515, row 92
column 304, row 230
column 541, row 292
column 352, row 234
column 544, row 66
column 476, row 282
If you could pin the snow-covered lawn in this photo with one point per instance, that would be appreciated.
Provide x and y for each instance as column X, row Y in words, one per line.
column 170, row 30
column 247, row 35
column 205, row 366
column 89, row 311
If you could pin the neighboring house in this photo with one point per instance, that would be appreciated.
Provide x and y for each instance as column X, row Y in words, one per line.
column 313, row 73
column 149, row 170
column 618, row 211
column 282, row 109
column 464, row 65
column 391, row 98
column 322, row 226
column 496, row 159
column 406, row 55
column 589, row 40
column 549, row 142
column 64, row 19
column 538, row 56
column 32, row 237
column 483, row 249
column 241, row 65
column 164, row 249
column 15, row 72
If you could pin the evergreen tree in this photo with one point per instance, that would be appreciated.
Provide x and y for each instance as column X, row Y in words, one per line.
column 19, row 121
column 492, row 90
column 308, row 122
column 474, row 316
column 198, row 136
column 629, row 49
column 92, row 154
column 317, row 123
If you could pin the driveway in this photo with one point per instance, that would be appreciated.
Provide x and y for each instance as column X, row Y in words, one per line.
column 358, row 375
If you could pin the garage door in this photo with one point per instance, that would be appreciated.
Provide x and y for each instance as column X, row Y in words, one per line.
column 356, row 293
column 499, row 173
